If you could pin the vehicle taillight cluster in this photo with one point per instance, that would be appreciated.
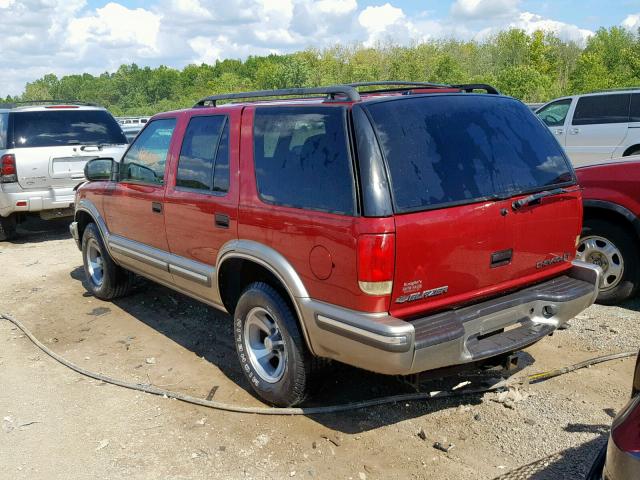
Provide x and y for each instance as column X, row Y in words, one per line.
column 8, row 172
column 376, row 261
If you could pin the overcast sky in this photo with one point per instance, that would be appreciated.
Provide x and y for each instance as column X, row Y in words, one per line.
column 76, row 36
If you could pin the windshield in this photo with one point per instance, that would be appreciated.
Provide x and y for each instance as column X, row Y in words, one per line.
column 51, row 128
column 4, row 125
column 455, row 149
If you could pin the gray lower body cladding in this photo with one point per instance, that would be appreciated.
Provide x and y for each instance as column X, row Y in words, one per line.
column 493, row 327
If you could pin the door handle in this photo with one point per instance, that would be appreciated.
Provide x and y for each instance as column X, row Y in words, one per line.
column 574, row 131
column 559, row 131
column 222, row 220
column 156, row 207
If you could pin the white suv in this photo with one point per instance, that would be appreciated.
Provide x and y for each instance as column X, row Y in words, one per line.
column 43, row 150
column 595, row 127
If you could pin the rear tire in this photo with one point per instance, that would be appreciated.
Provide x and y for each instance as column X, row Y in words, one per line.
column 633, row 151
column 270, row 347
column 8, row 227
column 612, row 247
column 105, row 279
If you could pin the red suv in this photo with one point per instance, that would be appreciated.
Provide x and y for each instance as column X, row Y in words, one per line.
column 399, row 230
column 611, row 232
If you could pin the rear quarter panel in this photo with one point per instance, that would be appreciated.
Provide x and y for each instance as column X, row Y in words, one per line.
column 617, row 183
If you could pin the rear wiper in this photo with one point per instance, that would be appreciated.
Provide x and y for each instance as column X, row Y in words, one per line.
column 536, row 197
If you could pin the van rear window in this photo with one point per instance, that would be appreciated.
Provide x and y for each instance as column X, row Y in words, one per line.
column 4, row 125
column 454, row 149
column 50, row 128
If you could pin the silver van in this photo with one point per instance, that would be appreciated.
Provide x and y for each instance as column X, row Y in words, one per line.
column 595, row 127
column 43, row 150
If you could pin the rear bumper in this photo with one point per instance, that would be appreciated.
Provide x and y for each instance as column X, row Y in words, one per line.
column 14, row 198
column 384, row 344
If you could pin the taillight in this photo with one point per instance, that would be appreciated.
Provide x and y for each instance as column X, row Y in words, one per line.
column 376, row 256
column 625, row 432
column 8, row 172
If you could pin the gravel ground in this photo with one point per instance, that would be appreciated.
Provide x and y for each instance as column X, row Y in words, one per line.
column 55, row 421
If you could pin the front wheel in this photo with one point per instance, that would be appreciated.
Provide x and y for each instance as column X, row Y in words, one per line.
column 612, row 248
column 105, row 279
column 270, row 347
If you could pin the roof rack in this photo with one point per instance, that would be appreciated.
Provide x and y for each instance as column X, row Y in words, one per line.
column 24, row 103
column 345, row 90
column 470, row 87
column 398, row 83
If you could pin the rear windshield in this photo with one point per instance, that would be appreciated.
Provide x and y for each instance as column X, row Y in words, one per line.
column 455, row 149
column 51, row 128
column 4, row 124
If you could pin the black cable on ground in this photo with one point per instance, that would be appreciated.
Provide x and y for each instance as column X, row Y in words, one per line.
column 536, row 377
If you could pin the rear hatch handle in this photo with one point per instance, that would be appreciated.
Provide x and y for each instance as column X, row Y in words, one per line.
column 536, row 197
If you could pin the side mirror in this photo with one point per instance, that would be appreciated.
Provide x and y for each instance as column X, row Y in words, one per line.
column 99, row 169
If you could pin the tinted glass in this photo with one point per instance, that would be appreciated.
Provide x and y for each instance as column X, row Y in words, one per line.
column 602, row 109
column 448, row 149
column 146, row 158
column 634, row 115
column 555, row 113
column 4, row 125
column 302, row 159
column 203, row 146
column 51, row 128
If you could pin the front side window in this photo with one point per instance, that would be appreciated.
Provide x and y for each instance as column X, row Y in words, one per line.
column 204, row 156
column 555, row 113
column 598, row 109
column 455, row 149
column 302, row 158
column 145, row 160
column 52, row 128
column 4, row 126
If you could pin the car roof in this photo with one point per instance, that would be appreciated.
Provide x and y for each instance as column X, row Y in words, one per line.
column 346, row 94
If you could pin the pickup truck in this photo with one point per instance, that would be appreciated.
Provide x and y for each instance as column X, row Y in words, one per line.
column 397, row 227
column 611, row 230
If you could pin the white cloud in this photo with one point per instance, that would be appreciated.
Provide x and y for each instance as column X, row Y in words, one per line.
column 69, row 36
column 484, row 9
column 632, row 22
column 530, row 22
column 116, row 26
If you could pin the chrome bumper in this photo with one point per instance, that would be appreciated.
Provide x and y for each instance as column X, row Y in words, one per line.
column 384, row 344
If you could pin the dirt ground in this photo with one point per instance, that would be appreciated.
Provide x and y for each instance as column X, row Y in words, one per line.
column 57, row 424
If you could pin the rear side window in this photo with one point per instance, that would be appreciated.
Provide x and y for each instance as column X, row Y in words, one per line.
column 634, row 114
column 555, row 113
column 50, row 128
column 602, row 109
column 204, row 156
column 455, row 149
column 302, row 158
column 4, row 127
column 145, row 160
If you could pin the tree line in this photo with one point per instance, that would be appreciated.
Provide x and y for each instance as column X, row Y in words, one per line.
column 534, row 67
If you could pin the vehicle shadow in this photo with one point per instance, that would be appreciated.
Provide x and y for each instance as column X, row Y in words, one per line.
column 208, row 333
column 631, row 304
column 572, row 463
column 36, row 230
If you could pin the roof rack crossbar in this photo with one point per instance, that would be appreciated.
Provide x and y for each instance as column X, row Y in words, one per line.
column 332, row 91
column 399, row 83
column 470, row 87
